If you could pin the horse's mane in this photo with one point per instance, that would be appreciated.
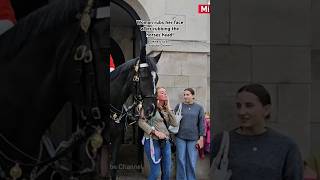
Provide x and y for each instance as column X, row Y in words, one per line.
column 129, row 65
column 48, row 18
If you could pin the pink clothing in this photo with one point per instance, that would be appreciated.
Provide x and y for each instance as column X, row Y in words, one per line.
column 310, row 178
column 206, row 138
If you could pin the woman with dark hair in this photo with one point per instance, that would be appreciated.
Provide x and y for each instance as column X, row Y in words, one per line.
column 189, row 136
column 257, row 152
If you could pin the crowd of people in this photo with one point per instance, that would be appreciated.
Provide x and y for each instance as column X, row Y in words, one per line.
column 189, row 140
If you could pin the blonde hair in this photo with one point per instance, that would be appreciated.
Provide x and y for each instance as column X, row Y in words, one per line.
column 159, row 87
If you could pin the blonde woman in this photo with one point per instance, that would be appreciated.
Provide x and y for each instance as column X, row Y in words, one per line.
column 156, row 137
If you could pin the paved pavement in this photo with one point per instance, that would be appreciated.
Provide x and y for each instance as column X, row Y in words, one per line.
column 202, row 170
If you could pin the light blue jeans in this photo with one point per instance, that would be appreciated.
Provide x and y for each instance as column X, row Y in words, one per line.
column 187, row 155
column 165, row 163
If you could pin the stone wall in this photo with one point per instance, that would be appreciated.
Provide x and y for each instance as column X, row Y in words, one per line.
column 268, row 42
column 186, row 63
column 179, row 70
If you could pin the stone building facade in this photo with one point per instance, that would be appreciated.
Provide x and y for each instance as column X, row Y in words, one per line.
column 185, row 62
column 275, row 43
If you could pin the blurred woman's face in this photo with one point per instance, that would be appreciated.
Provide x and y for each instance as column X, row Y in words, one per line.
column 250, row 110
column 162, row 94
column 188, row 97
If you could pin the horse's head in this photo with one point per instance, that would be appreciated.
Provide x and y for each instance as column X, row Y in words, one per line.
column 73, row 60
column 145, row 79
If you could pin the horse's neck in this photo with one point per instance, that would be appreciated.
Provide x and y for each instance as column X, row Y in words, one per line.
column 29, row 99
column 119, row 92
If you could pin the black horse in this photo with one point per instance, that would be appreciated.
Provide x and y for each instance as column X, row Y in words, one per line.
column 138, row 77
column 53, row 56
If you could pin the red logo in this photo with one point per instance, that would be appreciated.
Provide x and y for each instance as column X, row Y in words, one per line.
column 203, row 8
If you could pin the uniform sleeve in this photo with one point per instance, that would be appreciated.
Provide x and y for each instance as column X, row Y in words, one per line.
column 144, row 125
column 293, row 168
column 201, row 122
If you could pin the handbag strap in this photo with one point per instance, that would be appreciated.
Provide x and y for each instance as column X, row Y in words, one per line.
column 316, row 166
column 164, row 121
column 153, row 153
column 179, row 112
column 225, row 160
column 222, row 156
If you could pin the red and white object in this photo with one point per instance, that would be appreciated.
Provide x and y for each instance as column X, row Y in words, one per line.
column 7, row 16
column 111, row 65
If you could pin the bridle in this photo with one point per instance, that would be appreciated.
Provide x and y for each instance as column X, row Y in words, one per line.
column 83, row 54
column 138, row 96
column 38, row 166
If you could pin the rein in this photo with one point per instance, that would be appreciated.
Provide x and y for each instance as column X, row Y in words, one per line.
column 16, row 170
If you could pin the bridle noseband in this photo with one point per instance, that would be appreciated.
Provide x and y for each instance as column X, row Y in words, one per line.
column 139, row 96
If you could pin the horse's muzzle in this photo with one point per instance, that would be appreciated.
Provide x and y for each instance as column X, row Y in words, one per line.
column 150, row 111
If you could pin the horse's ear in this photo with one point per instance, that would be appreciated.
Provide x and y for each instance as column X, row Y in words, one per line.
column 157, row 57
column 143, row 54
